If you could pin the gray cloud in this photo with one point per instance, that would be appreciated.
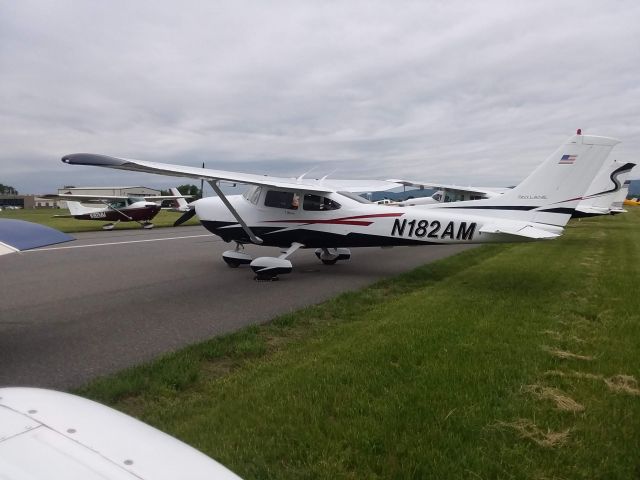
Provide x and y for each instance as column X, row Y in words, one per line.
column 466, row 92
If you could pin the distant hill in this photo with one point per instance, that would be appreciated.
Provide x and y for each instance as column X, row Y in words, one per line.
column 634, row 188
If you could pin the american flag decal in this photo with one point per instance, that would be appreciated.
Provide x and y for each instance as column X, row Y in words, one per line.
column 567, row 159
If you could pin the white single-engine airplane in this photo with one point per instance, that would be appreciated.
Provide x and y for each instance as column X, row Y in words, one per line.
column 114, row 208
column 603, row 197
column 326, row 215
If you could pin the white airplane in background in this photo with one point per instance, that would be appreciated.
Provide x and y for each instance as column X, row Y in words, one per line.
column 607, row 189
column 604, row 191
column 618, row 201
column 180, row 203
column 326, row 215
column 445, row 193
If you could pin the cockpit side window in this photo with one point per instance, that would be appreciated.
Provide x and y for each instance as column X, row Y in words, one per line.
column 317, row 203
column 280, row 199
column 119, row 204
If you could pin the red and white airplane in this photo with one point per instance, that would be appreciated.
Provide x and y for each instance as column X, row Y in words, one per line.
column 326, row 215
column 114, row 208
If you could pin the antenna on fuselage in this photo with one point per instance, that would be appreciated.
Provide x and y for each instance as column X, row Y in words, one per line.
column 330, row 173
column 305, row 173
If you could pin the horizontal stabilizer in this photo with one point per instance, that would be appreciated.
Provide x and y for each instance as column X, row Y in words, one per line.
column 522, row 231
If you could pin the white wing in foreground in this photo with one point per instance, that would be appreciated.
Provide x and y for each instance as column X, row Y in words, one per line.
column 51, row 435
column 210, row 175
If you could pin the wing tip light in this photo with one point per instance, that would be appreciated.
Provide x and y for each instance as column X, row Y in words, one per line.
column 92, row 159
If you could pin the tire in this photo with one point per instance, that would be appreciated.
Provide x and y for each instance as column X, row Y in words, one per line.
column 329, row 262
column 231, row 263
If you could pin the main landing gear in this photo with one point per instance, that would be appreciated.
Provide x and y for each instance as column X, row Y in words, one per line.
column 110, row 226
column 329, row 256
column 268, row 268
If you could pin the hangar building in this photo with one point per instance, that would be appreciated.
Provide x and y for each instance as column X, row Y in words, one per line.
column 119, row 191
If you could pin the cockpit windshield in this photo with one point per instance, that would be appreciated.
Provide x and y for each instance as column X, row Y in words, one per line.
column 118, row 204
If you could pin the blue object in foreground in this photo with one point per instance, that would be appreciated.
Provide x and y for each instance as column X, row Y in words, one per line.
column 23, row 235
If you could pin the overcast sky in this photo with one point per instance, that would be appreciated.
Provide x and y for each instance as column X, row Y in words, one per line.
column 467, row 92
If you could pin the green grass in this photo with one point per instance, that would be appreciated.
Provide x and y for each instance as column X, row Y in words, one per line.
column 449, row 371
column 44, row 216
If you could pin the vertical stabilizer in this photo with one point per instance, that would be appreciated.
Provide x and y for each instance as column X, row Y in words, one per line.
column 76, row 208
column 551, row 193
column 179, row 203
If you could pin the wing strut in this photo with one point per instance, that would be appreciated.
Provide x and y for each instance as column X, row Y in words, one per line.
column 245, row 227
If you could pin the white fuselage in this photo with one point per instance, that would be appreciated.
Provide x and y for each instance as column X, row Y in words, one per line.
column 346, row 222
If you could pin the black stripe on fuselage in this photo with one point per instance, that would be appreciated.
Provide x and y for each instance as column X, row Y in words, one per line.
column 282, row 237
column 492, row 207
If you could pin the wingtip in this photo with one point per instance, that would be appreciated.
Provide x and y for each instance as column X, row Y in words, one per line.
column 92, row 159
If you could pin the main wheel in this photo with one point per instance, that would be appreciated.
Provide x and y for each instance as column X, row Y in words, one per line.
column 329, row 262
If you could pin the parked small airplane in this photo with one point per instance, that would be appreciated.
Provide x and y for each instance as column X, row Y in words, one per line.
column 180, row 203
column 326, row 214
column 619, row 197
column 115, row 208
column 605, row 190
column 604, row 196
column 633, row 202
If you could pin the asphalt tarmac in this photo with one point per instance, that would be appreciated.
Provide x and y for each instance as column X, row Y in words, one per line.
column 110, row 300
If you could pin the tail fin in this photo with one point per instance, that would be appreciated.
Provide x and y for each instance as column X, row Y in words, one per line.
column 551, row 193
column 606, row 186
column 76, row 208
column 180, row 203
column 621, row 195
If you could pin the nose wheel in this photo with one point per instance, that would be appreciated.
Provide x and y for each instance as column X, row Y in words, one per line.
column 237, row 257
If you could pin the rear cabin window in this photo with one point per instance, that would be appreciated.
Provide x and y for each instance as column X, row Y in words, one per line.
column 317, row 203
column 279, row 199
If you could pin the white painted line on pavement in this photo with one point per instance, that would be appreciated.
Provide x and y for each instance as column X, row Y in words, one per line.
column 115, row 243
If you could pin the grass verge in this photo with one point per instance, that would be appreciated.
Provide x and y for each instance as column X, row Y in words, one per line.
column 513, row 361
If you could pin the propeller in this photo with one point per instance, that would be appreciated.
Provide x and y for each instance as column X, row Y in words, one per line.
column 186, row 216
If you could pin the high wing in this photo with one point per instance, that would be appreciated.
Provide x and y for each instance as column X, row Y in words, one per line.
column 484, row 191
column 309, row 185
column 89, row 198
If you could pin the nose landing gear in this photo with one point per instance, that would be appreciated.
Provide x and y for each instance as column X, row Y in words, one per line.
column 235, row 258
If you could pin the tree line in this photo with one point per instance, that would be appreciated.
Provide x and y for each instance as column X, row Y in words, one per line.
column 7, row 190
